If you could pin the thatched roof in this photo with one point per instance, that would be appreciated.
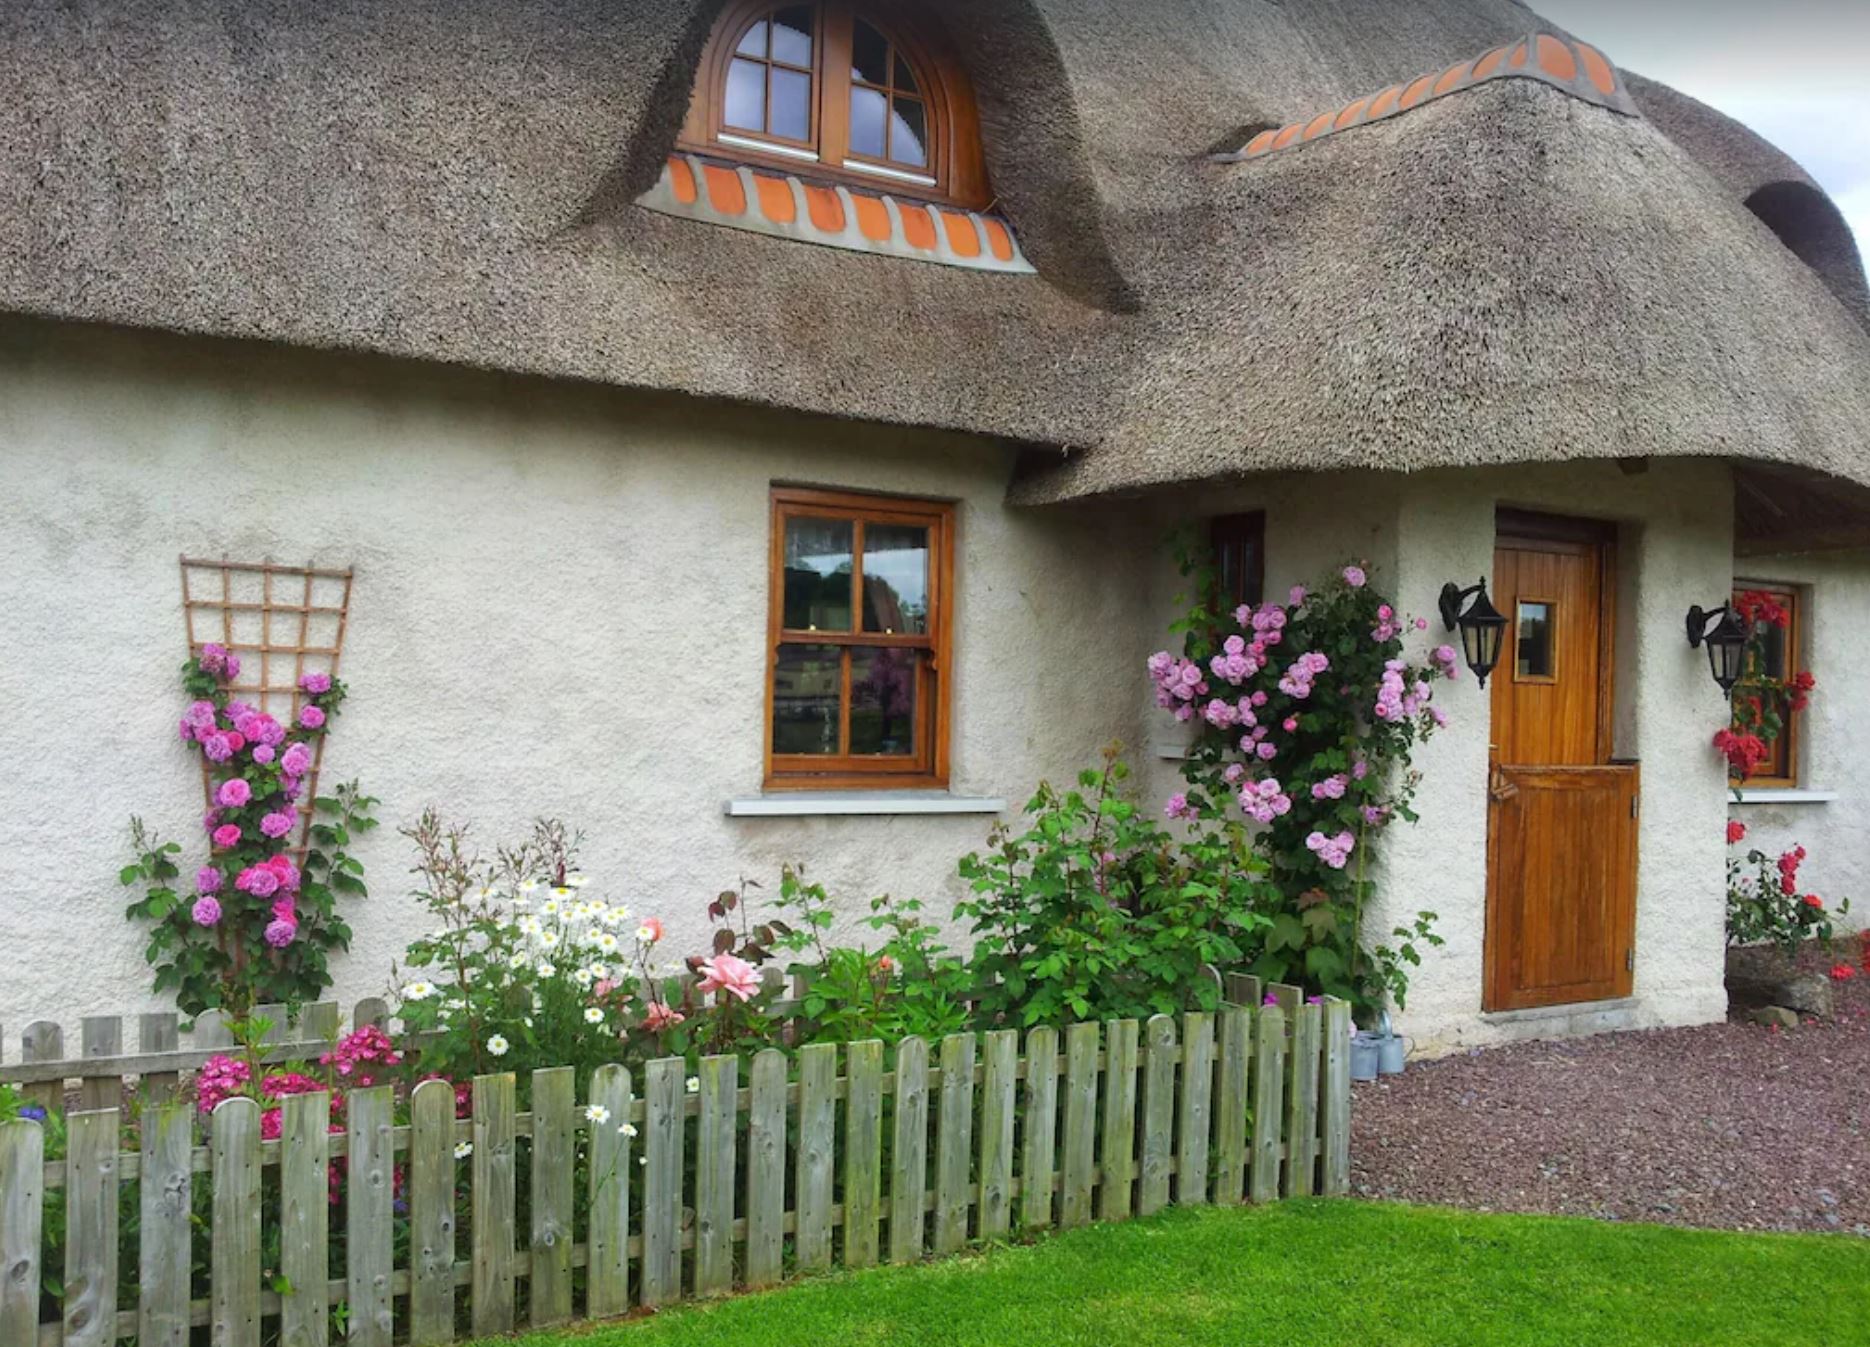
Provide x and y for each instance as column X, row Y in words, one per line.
column 1508, row 272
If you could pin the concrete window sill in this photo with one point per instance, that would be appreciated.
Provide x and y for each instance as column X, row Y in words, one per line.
column 1784, row 795
column 827, row 804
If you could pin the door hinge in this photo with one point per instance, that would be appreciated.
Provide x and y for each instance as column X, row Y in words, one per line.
column 1635, row 805
column 1629, row 961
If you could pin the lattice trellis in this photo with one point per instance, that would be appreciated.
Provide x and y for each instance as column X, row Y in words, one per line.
column 283, row 622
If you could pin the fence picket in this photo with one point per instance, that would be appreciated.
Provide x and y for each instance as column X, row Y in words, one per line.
column 607, row 1257
column 22, row 1207
column 211, row 1030
column 1335, row 1100
column 102, row 1037
column 431, row 1214
column 44, row 1041
column 91, row 1222
column 1119, row 1178
column 1302, row 1103
column 1080, row 1159
column 1039, row 1147
column 554, row 1131
column 234, row 1254
column 1191, row 1174
column 997, row 1108
column 304, row 1222
column 714, row 1175
column 1269, row 1079
column 954, row 1144
column 909, row 1154
column 1230, row 1106
column 165, row 1185
column 1243, row 989
column 1152, row 1187
column 662, row 1181
column 766, row 1169
column 818, row 1085
column 369, row 1193
column 373, row 1012
column 158, row 1032
column 863, row 1151
column 493, row 1205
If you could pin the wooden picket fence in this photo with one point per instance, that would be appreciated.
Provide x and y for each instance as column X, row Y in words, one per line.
column 834, row 1155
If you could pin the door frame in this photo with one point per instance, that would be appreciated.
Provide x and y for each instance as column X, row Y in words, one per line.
column 1574, row 536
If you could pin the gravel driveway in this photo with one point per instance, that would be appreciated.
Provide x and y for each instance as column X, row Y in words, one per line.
column 1729, row 1125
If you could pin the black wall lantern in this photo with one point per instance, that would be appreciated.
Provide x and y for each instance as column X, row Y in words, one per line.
column 1482, row 628
column 1725, row 636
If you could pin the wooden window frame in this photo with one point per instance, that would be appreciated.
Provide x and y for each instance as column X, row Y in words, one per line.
column 1781, row 769
column 927, row 768
column 1247, row 531
column 956, row 163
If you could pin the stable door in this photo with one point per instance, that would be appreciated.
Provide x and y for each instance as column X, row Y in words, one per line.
column 1561, row 885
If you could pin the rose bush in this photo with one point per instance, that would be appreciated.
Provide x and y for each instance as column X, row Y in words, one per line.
column 1765, row 901
column 1762, row 705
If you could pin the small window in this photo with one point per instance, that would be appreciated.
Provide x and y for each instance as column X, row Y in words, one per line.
column 863, row 94
column 1239, row 542
column 857, row 671
column 1781, row 620
column 1533, row 634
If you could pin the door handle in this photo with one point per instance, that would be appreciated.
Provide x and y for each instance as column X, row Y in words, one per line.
column 1499, row 788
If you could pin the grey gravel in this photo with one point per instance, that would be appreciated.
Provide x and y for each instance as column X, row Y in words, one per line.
column 1730, row 1126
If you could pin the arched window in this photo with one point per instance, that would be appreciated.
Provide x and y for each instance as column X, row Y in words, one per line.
column 864, row 94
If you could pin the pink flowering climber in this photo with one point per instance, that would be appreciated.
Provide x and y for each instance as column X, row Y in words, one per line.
column 315, row 683
column 1354, row 577
column 227, row 835
column 207, row 879
column 1178, row 807
column 1333, row 851
column 234, row 794
column 207, row 911
column 726, row 974
column 296, row 760
column 311, row 718
column 278, row 823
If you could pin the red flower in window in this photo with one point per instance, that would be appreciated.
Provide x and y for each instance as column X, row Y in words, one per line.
column 1759, row 608
column 1744, row 752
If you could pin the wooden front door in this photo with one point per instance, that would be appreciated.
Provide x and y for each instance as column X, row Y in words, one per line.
column 1561, row 884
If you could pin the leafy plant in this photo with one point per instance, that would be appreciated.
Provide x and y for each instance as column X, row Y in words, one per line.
column 1764, row 902
column 1763, row 704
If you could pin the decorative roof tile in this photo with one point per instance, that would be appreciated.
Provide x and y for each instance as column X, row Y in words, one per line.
column 786, row 206
column 1573, row 67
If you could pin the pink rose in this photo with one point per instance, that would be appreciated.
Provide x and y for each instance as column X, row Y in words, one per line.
column 207, row 911
column 311, row 718
column 234, row 794
column 278, row 823
column 296, row 760
column 660, row 1017
column 726, row 974
column 227, row 835
column 316, row 683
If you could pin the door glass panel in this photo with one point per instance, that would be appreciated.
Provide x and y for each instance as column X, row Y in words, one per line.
column 746, row 96
column 870, row 55
column 869, row 116
column 905, row 77
column 909, row 134
column 792, row 35
column 1533, row 630
column 792, row 104
column 807, row 696
column 754, row 43
column 883, row 702
column 818, row 574
column 896, row 579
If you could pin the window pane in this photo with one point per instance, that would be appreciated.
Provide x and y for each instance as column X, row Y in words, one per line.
column 792, row 104
column 883, row 702
column 869, row 109
column 1535, row 640
column 905, row 77
column 792, row 35
column 1773, row 650
column 870, row 55
column 909, row 134
column 754, row 43
column 896, row 579
column 807, row 687
column 818, row 575
column 746, row 96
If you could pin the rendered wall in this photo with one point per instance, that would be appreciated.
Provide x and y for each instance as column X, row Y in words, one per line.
column 560, row 609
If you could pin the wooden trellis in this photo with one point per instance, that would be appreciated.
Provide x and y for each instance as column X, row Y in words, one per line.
column 283, row 622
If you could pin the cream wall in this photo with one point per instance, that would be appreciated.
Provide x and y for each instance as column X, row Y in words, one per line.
column 1420, row 531
column 560, row 609
column 1825, row 814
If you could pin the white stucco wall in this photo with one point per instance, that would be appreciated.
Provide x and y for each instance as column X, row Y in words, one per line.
column 560, row 609
column 1418, row 532
column 1834, row 733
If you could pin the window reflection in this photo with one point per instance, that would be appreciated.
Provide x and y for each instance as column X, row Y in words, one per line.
column 896, row 579
column 883, row 702
column 1534, row 627
column 819, row 566
column 807, row 699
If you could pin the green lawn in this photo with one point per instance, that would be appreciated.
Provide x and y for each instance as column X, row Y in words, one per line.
column 1316, row 1274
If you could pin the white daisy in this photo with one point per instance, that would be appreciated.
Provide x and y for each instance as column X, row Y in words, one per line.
column 548, row 940
column 551, row 907
column 628, row 1130
column 593, row 1015
column 519, row 958
column 694, row 1084
column 583, row 978
column 418, row 991
column 544, row 968
column 463, row 1150
column 597, row 1115
column 606, row 942
column 498, row 1045
column 598, row 972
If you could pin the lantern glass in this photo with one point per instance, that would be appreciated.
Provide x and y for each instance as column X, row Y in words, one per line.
column 1727, row 651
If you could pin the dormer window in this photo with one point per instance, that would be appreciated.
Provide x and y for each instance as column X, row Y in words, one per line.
column 866, row 95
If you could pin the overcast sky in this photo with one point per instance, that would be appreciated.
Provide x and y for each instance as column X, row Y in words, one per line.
column 1796, row 71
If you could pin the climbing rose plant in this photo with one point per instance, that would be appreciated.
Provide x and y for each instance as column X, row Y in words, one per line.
column 251, row 926
column 1763, row 706
column 1307, row 715
column 1765, row 902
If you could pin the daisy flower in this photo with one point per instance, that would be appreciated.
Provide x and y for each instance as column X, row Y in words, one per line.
column 627, row 1130
column 498, row 1046
column 593, row 1015
column 694, row 1084
column 597, row 1115
column 463, row 1150
column 418, row 991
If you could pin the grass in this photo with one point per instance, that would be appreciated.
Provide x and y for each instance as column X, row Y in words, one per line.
column 1322, row 1274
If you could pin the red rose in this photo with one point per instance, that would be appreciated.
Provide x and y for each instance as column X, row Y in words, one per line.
column 1814, row 902
column 1736, row 831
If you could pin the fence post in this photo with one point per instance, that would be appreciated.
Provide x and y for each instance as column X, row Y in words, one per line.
column 612, row 1169
column 1230, row 1107
column 91, row 1224
column 1041, row 1129
column 817, row 1155
column 44, row 1041
column 163, row 1254
column 1152, row 1189
column 369, row 1194
column 493, row 1206
column 22, row 1204
column 1269, row 1077
column 1191, row 1165
column 1302, row 1103
column 304, row 1222
column 1335, row 1171
column 996, row 1133
column 1080, row 1159
column 954, row 1144
column 432, row 1213
column 554, row 1104
column 235, row 1256
column 158, row 1033
column 714, row 1177
column 1119, row 1179
column 909, row 1157
column 863, row 1151
column 662, row 1181
column 766, row 1169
